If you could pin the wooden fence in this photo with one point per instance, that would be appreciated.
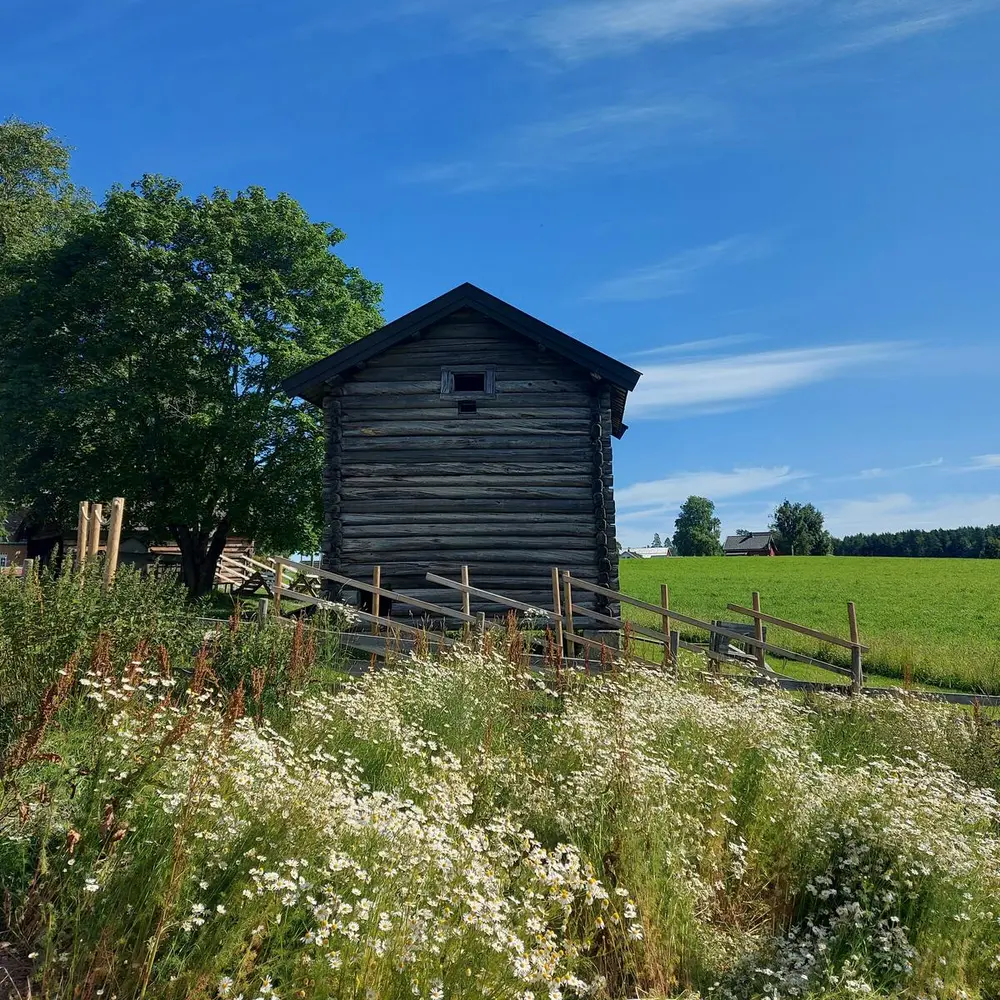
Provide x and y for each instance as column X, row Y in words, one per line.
column 614, row 637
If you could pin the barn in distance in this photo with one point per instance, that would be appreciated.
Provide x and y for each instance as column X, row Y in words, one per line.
column 469, row 433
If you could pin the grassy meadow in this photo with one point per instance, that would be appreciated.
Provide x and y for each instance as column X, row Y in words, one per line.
column 934, row 620
column 189, row 816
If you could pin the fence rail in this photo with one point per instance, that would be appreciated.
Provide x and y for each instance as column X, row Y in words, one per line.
column 565, row 612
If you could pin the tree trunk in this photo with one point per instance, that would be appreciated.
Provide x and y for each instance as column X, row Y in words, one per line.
column 200, row 551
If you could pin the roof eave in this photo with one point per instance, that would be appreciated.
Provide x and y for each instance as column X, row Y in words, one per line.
column 310, row 382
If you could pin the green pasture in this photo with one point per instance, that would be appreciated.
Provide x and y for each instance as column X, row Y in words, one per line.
column 934, row 620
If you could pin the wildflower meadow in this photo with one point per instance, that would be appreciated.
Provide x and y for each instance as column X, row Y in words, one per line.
column 198, row 809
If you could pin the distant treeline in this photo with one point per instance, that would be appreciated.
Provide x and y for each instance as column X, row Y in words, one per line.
column 945, row 543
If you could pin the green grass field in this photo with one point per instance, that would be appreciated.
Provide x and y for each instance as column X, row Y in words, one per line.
column 940, row 618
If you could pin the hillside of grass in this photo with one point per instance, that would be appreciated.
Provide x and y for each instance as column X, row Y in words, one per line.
column 934, row 620
column 189, row 815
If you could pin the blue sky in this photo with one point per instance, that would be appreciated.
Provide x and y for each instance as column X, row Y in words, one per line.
column 784, row 212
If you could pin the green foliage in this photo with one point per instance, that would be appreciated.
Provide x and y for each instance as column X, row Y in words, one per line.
column 144, row 358
column 938, row 543
column 38, row 204
column 656, row 542
column 927, row 618
column 696, row 530
column 800, row 530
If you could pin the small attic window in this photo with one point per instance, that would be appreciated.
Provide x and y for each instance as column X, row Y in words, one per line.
column 468, row 381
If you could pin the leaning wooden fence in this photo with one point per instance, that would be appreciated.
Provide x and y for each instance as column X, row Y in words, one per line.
column 614, row 637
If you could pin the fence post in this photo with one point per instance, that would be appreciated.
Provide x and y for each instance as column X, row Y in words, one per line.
column 81, row 534
column 857, row 673
column 279, row 583
column 568, row 612
column 557, row 608
column 263, row 608
column 758, row 633
column 114, row 538
column 466, row 603
column 376, row 583
column 665, row 603
column 481, row 625
column 675, row 648
column 94, row 542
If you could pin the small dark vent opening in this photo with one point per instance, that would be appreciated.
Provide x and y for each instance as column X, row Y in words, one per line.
column 470, row 382
column 467, row 406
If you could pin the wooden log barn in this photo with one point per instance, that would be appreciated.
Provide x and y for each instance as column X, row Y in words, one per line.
column 470, row 433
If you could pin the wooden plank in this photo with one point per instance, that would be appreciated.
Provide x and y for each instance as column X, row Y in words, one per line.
column 758, row 630
column 665, row 622
column 483, row 560
column 402, row 455
column 947, row 697
column 361, row 404
column 390, row 624
column 488, row 411
column 470, row 478
column 411, row 532
column 533, row 386
column 82, row 530
column 114, row 538
column 785, row 654
column 432, row 446
column 432, row 472
column 488, row 595
column 381, row 591
column 94, row 535
column 557, row 609
column 569, row 628
column 513, row 426
column 573, row 639
column 466, row 603
column 857, row 674
column 515, row 370
column 514, row 505
column 833, row 640
column 456, row 490
column 444, row 520
column 617, row 623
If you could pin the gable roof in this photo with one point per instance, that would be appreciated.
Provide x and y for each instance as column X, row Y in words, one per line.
column 309, row 383
column 754, row 542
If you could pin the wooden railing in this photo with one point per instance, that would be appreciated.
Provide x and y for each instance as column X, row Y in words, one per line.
column 565, row 612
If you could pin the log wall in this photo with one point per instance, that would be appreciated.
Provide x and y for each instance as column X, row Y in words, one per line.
column 521, row 485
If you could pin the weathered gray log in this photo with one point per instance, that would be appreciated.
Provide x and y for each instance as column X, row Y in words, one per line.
column 403, row 508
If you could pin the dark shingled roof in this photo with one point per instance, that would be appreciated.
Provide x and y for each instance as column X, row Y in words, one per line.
column 756, row 541
column 309, row 383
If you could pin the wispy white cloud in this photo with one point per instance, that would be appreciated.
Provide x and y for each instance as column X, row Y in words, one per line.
column 599, row 28
column 605, row 135
column 642, row 500
column 737, row 381
column 690, row 347
column 880, row 473
column 901, row 511
column 675, row 274
column 874, row 23
column 983, row 463
column 580, row 30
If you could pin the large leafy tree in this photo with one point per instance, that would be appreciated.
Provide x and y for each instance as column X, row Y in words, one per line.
column 145, row 355
column 697, row 529
column 38, row 202
column 800, row 530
